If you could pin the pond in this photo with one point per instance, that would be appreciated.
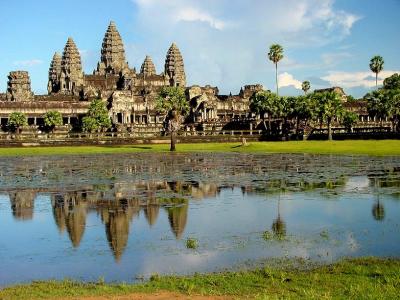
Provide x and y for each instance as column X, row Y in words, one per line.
column 125, row 217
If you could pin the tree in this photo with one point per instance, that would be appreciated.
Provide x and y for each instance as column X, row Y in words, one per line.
column 349, row 119
column 392, row 82
column 376, row 66
column 275, row 54
column 304, row 110
column 52, row 119
column 97, row 117
column 377, row 104
column 16, row 120
column 305, row 86
column 172, row 102
column 263, row 102
column 329, row 106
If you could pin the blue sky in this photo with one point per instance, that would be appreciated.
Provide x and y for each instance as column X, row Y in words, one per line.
column 224, row 42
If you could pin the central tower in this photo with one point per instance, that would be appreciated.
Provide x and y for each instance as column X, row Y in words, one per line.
column 112, row 59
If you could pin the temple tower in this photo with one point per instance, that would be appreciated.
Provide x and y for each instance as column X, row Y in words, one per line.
column 148, row 67
column 71, row 80
column 112, row 59
column 174, row 67
column 19, row 87
column 54, row 74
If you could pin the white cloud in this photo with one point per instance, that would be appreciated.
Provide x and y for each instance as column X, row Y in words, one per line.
column 333, row 59
column 27, row 63
column 224, row 42
column 356, row 79
column 190, row 14
column 286, row 79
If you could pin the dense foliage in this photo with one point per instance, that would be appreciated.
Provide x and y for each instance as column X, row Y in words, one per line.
column 317, row 107
column 16, row 120
column 97, row 118
column 385, row 102
column 52, row 119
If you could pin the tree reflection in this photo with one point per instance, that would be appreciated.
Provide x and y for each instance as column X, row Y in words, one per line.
column 279, row 225
column 378, row 211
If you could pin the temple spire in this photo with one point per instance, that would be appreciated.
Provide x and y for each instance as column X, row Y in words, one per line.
column 148, row 67
column 174, row 67
column 54, row 74
column 112, row 59
column 71, row 80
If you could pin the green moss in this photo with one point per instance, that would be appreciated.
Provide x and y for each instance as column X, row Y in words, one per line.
column 368, row 147
column 192, row 243
column 365, row 278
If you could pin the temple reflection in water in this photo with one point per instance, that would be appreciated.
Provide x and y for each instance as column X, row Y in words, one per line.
column 118, row 204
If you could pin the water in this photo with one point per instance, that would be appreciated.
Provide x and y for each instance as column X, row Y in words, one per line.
column 125, row 217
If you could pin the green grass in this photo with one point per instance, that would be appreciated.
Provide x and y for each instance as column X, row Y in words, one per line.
column 356, row 147
column 365, row 278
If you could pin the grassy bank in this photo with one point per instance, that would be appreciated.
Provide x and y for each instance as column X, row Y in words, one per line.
column 366, row 278
column 368, row 147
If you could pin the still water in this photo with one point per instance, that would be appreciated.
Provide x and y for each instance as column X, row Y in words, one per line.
column 125, row 217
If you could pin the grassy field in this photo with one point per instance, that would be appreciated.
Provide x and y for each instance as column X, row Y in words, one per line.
column 368, row 147
column 365, row 278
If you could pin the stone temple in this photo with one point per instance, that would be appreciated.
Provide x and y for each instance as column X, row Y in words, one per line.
column 130, row 95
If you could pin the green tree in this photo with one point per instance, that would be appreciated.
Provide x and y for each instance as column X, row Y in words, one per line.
column 52, row 119
column 275, row 55
column 392, row 82
column 263, row 102
column 172, row 102
column 328, row 105
column 16, row 120
column 349, row 119
column 305, row 86
column 378, row 104
column 376, row 66
column 394, row 107
column 304, row 110
column 97, row 117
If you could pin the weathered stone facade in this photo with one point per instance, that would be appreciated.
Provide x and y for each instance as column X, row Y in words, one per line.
column 71, row 79
column 112, row 59
column 130, row 96
column 55, row 74
column 174, row 68
column 19, row 87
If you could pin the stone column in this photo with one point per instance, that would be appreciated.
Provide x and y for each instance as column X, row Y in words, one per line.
column 34, row 121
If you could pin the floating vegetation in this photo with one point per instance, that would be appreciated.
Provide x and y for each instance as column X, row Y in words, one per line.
column 192, row 243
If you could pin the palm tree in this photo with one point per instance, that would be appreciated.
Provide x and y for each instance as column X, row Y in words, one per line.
column 329, row 106
column 305, row 86
column 376, row 66
column 275, row 54
column 262, row 103
column 172, row 102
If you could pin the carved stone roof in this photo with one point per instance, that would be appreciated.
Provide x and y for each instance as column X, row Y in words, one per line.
column 71, row 59
column 55, row 67
column 148, row 67
column 19, row 86
column 112, row 59
column 174, row 67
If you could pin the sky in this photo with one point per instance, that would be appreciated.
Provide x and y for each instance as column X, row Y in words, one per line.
column 224, row 43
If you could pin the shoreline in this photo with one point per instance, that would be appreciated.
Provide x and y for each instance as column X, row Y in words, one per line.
column 367, row 277
column 348, row 147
